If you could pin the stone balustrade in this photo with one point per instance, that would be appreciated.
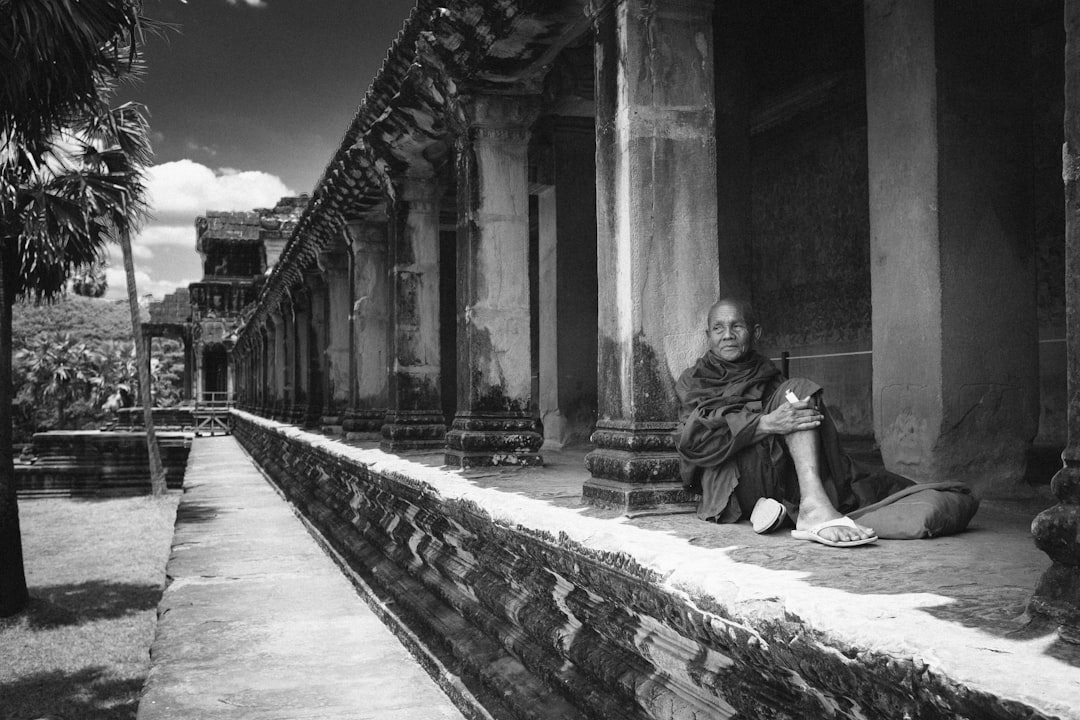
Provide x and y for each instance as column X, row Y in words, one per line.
column 545, row 613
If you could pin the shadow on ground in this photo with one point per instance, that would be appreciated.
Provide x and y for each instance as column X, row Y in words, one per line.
column 61, row 605
column 85, row 694
column 195, row 512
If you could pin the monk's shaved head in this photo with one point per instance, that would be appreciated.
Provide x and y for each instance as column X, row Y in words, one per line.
column 742, row 305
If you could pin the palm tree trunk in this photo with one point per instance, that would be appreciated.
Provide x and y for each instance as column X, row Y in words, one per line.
column 142, row 360
column 13, row 593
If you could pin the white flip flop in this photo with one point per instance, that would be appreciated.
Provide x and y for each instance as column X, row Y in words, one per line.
column 814, row 534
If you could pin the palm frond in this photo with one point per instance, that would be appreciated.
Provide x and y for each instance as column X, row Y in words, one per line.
column 53, row 53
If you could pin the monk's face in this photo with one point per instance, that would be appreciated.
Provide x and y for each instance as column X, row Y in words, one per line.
column 730, row 337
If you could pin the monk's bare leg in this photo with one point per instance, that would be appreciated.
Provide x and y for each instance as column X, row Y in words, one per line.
column 814, row 505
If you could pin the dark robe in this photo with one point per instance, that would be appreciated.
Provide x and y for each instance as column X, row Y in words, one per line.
column 721, row 404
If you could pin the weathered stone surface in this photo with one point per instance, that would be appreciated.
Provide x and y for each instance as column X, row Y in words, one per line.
column 630, row 456
column 361, row 424
column 495, row 357
column 635, row 498
column 178, row 417
column 949, row 149
column 404, row 430
column 95, row 463
column 1057, row 530
column 524, row 615
column 655, row 126
column 370, row 313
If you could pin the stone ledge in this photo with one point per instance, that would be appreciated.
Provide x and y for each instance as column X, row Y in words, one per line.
column 668, row 617
column 93, row 463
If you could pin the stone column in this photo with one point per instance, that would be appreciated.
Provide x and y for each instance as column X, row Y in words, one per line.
column 370, row 322
column 264, row 372
column 1057, row 530
column 188, row 364
column 656, row 201
column 251, row 397
column 567, row 292
column 318, row 396
column 495, row 423
column 414, row 417
column 955, row 367
column 276, row 381
column 239, row 362
column 301, row 322
column 334, row 263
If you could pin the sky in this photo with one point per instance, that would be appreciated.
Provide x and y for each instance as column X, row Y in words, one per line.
column 248, row 100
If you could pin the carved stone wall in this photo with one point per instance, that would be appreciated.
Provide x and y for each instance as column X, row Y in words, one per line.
column 811, row 232
column 519, row 614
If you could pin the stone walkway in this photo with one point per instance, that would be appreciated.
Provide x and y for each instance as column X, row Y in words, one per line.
column 259, row 622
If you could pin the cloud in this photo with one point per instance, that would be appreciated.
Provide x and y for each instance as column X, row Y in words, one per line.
column 151, row 235
column 180, row 191
column 196, row 147
column 177, row 193
column 249, row 3
column 144, row 283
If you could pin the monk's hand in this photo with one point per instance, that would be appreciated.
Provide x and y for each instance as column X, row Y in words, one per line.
column 790, row 417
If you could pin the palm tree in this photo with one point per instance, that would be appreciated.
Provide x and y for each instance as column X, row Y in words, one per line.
column 118, row 152
column 54, row 57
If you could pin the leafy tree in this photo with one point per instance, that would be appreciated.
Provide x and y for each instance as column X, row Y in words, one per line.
column 93, row 320
column 57, row 373
column 57, row 209
column 91, row 282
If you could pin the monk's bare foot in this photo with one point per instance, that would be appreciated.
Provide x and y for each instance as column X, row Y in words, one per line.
column 811, row 515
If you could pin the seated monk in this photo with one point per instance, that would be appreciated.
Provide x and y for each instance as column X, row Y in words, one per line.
column 754, row 444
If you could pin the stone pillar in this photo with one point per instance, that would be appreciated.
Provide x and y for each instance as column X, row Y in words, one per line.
column 250, row 402
column 370, row 323
column 567, row 288
column 264, row 372
column 414, row 417
column 188, row 365
column 656, row 202
column 1057, row 530
column 495, row 423
column 318, row 396
column 283, row 410
column 955, row 366
column 238, row 367
column 301, row 303
column 277, row 371
column 334, row 263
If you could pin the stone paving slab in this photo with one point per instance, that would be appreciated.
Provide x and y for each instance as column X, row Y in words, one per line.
column 258, row 622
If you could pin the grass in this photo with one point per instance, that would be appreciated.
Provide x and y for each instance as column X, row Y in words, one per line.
column 96, row 570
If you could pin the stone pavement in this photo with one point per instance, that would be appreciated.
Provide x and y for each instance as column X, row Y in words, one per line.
column 259, row 622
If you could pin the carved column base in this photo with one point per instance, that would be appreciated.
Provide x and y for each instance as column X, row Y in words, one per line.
column 490, row 439
column 635, row 469
column 313, row 416
column 333, row 418
column 295, row 414
column 365, row 425
column 280, row 411
column 405, row 430
column 1057, row 533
